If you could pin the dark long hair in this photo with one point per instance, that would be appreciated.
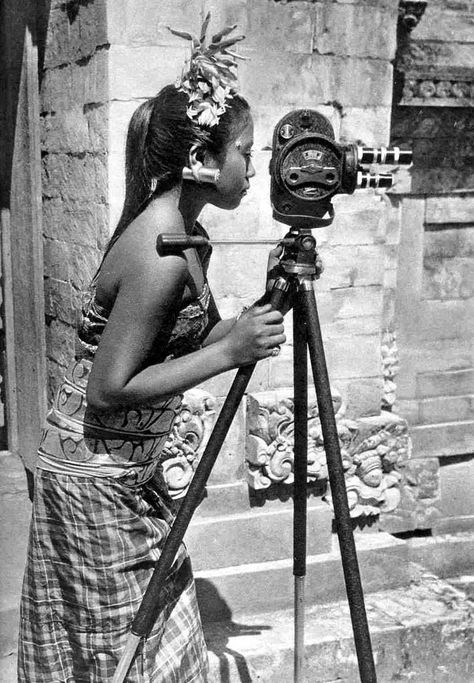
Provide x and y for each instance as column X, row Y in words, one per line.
column 160, row 135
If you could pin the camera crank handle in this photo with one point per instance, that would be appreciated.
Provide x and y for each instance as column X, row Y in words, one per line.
column 175, row 242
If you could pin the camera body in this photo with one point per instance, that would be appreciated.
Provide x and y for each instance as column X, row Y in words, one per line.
column 308, row 167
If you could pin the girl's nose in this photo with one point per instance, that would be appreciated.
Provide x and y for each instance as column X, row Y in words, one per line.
column 250, row 169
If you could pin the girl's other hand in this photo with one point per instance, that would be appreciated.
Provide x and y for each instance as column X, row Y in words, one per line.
column 254, row 336
column 273, row 267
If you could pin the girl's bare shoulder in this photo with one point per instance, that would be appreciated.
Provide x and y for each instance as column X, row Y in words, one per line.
column 134, row 256
column 139, row 239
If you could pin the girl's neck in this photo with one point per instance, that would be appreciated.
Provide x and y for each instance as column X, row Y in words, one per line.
column 187, row 201
column 191, row 203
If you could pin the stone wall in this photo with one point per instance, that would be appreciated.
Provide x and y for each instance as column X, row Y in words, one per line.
column 435, row 289
column 74, row 139
column 433, row 95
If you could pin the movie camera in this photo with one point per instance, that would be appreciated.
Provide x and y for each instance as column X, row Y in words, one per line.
column 308, row 167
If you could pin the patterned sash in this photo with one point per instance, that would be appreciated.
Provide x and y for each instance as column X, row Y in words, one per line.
column 123, row 444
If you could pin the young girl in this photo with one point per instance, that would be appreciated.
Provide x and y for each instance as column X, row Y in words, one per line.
column 150, row 330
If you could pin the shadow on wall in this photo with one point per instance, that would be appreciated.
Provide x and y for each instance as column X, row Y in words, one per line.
column 15, row 18
column 219, row 627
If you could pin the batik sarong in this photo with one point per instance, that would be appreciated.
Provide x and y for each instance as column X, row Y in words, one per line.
column 101, row 513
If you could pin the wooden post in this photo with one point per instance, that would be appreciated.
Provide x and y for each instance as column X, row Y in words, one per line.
column 22, row 258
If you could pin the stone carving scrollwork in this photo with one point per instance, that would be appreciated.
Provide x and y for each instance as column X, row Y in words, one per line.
column 390, row 368
column 187, row 440
column 373, row 450
column 437, row 90
column 270, row 439
column 373, row 461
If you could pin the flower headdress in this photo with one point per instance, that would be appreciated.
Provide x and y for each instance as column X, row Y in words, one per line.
column 207, row 77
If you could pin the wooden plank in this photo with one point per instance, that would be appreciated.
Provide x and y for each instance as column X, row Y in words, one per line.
column 26, row 250
column 8, row 325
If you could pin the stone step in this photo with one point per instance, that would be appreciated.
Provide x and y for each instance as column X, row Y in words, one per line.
column 249, row 588
column 422, row 633
column 445, row 554
column 246, row 538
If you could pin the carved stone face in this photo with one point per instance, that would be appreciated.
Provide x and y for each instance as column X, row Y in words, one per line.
column 369, row 469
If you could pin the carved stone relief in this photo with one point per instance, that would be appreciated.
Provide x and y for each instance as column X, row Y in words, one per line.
column 373, row 450
column 187, row 440
column 440, row 89
column 390, row 368
column 420, row 498
column 434, row 72
column 270, row 439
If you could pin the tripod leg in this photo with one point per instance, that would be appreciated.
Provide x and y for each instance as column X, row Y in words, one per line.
column 350, row 565
column 149, row 607
column 300, row 375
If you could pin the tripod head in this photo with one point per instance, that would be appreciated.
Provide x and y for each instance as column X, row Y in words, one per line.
column 308, row 167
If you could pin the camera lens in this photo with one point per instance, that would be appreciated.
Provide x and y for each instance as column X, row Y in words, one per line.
column 374, row 180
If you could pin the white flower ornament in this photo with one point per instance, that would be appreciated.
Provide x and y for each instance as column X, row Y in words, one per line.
column 207, row 78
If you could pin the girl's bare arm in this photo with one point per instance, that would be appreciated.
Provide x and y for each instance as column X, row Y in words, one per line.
column 148, row 296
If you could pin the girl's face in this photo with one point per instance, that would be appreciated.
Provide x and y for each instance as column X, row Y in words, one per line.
column 236, row 170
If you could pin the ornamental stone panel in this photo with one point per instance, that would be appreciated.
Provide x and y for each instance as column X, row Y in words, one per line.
column 374, row 451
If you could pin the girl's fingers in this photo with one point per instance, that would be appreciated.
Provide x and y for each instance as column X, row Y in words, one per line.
column 277, row 340
column 274, row 257
column 273, row 330
column 260, row 310
column 273, row 317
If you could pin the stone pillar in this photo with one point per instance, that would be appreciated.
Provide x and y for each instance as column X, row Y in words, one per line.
column 432, row 111
column 74, row 140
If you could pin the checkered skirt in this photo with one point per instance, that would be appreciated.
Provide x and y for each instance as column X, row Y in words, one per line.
column 92, row 550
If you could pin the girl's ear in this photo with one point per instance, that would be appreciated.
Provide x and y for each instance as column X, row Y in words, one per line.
column 196, row 156
column 206, row 172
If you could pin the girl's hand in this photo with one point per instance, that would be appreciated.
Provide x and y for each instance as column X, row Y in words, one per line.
column 254, row 336
column 274, row 271
column 273, row 267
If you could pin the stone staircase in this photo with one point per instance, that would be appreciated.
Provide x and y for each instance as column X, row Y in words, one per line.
column 421, row 633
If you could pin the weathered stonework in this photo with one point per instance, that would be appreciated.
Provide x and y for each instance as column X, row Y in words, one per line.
column 373, row 451
column 419, row 504
column 390, row 368
column 74, row 141
column 434, row 87
column 187, row 440
column 432, row 114
column 438, row 88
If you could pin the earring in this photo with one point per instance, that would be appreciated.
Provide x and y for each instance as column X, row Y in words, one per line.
column 201, row 174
